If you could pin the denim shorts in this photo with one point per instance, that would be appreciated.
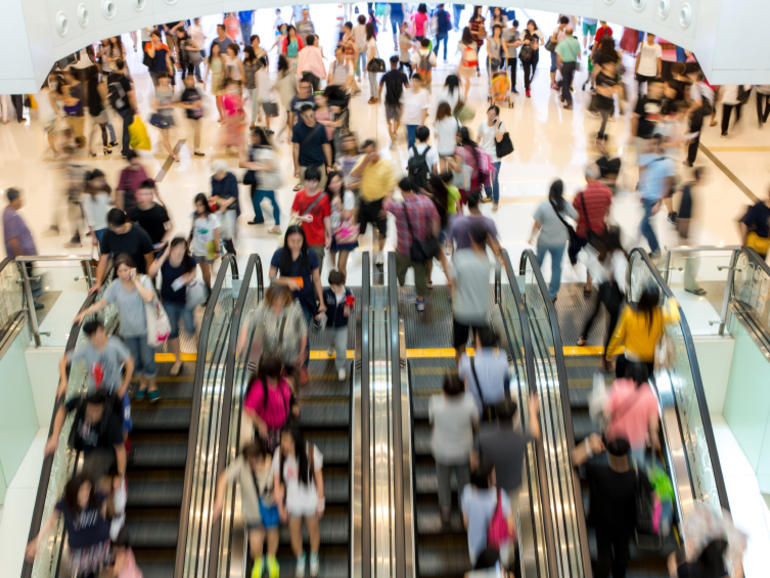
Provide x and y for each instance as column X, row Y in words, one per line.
column 144, row 356
column 179, row 313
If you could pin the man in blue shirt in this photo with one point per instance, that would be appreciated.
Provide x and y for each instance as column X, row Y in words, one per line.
column 443, row 25
column 656, row 175
column 246, row 17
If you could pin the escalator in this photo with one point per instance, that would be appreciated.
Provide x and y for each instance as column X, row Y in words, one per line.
column 331, row 417
column 426, row 355
column 156, row 470
column 685, row 422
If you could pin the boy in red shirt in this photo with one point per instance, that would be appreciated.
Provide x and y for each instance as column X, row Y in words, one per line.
column 312, row 208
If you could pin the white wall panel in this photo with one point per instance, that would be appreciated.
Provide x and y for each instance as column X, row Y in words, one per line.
column 727, row 36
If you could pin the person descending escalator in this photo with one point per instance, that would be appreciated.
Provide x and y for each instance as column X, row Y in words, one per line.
column 269, row 401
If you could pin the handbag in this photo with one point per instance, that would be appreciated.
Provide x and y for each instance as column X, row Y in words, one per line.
column 376, row 65
column 574, row 245
column 665, row 352
column 550, row 44
column 495, row 63
column 504, row 146
column 421, row 250
column 197, row 293
column 597, row 401
column 346, row 233
column 498, row 533
column 158, row 325
column 461, row 178
column 463, row 113
column 138, row 137
column 159, row 121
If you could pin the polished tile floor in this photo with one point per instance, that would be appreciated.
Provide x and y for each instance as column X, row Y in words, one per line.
column 550, row 143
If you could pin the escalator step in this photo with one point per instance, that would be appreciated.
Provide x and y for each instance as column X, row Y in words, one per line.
column 422, row 435
column 158, row 455
column 583, row 425
column 333, row 563
column 155, row 494
column 425, row 481
column 156, row 569
column 447, row 559
column 161, row 419
column 429, row 520
column 316, row 414
column 180, row 388
column 153, row 533
column 336, row 486
column 334, row 528
column 335, row 446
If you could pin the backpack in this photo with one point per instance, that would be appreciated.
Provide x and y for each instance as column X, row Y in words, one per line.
column 424, row 66
column 417, row 166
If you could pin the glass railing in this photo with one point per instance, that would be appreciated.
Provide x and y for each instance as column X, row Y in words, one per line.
column 192, row 552
column 11, row 293
column 58, row 284
column 751, row 292
column 536, row 540
column 60, row 466
column 687, row 429
column 226, row 559
column 564, row 496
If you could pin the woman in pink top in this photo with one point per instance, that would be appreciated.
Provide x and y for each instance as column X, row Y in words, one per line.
column 632, row 410
column 420, row 19
column 269, row 400
column 311, row 59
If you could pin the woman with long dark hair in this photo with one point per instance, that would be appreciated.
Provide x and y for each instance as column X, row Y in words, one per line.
column 264, row 177
column 297, row 267
column 550, row 220
column 299, row 493
column 469, row 59
column 204, row 236
column 96, row 95
column 467, row 152
column 529, row 53
column 88, row 528
column 371, row 54
column 343, row 222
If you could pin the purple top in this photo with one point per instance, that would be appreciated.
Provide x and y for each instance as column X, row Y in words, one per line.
column 460, row 229
column 14, row 226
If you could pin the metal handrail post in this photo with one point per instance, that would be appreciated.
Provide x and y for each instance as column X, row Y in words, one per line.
column 668, row 268
column 30, row 304
column 728, row 293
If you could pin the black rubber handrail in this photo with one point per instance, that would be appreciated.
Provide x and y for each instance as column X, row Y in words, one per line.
column 700, row 395
column 529, row 356
column 363, row 344
column 253, row 268
column 228, row 264
column 45, row 473
column 528, row 259
column 398, row 441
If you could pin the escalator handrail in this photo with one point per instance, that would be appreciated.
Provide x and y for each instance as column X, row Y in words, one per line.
column 253, row 267
column 45, row 472
column 365, row 350
column 228, row 263
column 528, row 258
column 398, row 441
column 529, row 356
column 700, row 395
column 758, row 262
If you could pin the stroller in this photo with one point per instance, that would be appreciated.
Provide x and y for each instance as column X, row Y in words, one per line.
column 500, row 88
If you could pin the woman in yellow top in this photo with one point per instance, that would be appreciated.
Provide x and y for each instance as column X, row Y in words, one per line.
column 641, row 326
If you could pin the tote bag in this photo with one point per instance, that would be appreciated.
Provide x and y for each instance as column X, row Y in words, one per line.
column 158, row 325
column 498, row 533
column 138, row 137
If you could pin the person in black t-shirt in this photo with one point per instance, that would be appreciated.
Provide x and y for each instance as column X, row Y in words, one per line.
column 648, row 110
column 191, row 100
column 120, row 91
column 151, row 216
column 123, row 236
column 394, row 82
column 612, row 486
column 97, row 431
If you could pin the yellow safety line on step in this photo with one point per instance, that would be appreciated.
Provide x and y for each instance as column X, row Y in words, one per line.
column 416, row 353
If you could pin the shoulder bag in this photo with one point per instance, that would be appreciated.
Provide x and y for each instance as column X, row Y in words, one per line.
column 504, row 146
column 158, row 325
column 498, row 533
column 421, row 250
column 573, row 246
column 298, row 220
column 487, row 411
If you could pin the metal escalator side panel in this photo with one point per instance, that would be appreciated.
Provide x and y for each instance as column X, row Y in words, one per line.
column 58, row 467
column 698, row 474
column 221, row 547
column 360, row 545
column 540, row 559
column 564, row 486
column 198, row 493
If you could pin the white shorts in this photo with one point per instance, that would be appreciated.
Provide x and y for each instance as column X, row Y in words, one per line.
column 302, row 502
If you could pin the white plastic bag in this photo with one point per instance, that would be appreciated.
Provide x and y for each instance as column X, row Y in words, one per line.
column 597, row 401
column 196, row 294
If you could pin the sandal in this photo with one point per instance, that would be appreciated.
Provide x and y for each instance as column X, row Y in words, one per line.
column 581, row 341
column 176, row 373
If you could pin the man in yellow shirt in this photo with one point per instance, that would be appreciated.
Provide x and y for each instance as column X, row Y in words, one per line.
column 376, row 178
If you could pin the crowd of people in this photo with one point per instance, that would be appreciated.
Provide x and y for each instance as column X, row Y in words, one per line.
column 343, row 185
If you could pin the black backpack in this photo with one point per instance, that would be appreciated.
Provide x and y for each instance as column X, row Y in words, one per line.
column 117, row 95
column 417, row 166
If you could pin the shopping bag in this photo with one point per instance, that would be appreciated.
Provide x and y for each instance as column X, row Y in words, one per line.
column 138, row 137
column 597, row 400
column 498, row 533
column 158, row 325
column 197, row 293
column 665, row 353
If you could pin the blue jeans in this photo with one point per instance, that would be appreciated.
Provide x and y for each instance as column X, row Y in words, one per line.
column 554, row 62
column 411, row 129
column 496, row 184
column 177, row 312
column 458, row 10
column 144, row 356
column 246, row 28
column 257, row 196
column 437, row 41
column 557, row 254
column 395, row 24
column 646, row 226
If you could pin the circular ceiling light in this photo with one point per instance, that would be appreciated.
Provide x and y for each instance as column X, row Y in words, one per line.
column 62, row 23
column 109, row 9
column 685, row 15
column 83, row 15
column 664, row 8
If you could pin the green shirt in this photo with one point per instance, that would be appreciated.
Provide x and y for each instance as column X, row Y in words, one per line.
column 568, row 48
column 454, row 196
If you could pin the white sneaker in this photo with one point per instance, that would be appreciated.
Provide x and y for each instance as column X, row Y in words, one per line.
column 330, row 351
column 342, row 374
column 299, row 571
column 314, row 564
